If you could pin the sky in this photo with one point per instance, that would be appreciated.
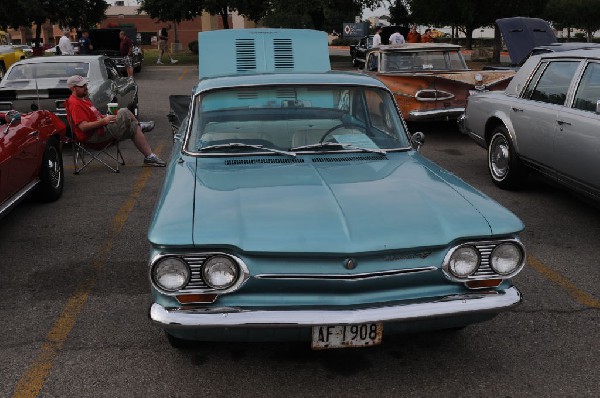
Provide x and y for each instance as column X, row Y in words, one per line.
column 376, row 12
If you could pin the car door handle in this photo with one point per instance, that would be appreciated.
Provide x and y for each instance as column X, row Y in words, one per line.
column 517, row 109
column 562, row 122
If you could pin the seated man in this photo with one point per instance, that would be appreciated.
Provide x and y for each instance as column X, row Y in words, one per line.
column 92, row 127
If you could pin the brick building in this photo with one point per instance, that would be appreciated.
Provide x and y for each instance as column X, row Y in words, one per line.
column 127, row 16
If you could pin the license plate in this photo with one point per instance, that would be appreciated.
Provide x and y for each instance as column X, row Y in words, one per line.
column 342, row 336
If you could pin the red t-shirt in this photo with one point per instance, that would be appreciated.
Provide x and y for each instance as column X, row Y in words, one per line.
column 82, row 110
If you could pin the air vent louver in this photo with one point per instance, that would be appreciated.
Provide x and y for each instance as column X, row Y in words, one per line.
column 245, row 51
column 283, row 54
column 238, row 162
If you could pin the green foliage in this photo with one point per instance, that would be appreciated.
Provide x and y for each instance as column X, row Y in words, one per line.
column 193, row 46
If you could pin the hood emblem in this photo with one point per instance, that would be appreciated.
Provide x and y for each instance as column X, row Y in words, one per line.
column 350, row 263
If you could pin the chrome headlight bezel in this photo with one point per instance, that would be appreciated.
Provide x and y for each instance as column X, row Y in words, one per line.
column 469, row 259
column 195, row 261
column 519, row 260
column 484, row 269
column 173, row 265
column 220, row 264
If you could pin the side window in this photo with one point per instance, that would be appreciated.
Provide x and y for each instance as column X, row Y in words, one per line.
column 588, row 92
column 554, row 83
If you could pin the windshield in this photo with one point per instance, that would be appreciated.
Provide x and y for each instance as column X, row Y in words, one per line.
column 424, row 60
column 48, row 70
column 294, row 118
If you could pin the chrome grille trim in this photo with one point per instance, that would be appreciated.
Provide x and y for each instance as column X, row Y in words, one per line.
column 346, row 277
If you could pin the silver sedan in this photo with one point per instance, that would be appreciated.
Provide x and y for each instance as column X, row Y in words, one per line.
column 547, row 120
column 41, row 83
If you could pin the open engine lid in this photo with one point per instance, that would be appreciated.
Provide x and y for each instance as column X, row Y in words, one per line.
column 522, row 34
column 252, row 51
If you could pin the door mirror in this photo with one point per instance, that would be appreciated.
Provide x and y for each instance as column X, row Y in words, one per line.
column 417, row 140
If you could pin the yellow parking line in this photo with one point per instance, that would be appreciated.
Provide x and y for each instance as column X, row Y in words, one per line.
column 578, row 294
column 35, row 376
column 184, row 73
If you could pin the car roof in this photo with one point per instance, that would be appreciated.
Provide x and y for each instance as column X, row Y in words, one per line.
column 418, row 47
column 305, row 79
column 61, row 58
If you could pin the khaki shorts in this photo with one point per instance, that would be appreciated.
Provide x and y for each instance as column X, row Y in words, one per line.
column 162, row 45
column 124, row 127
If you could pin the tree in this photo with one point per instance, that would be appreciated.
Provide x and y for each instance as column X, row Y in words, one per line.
column 168, row 10
column 66, row 13
column 583, row 14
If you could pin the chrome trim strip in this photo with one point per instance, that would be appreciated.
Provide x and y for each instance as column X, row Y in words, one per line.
column 346, row 277
column 215, row 317
column 16, row 198
column 435, row 114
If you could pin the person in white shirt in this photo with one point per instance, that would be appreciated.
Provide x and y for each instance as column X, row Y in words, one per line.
column 396, row 38
column 65, row 46
column 377, row 38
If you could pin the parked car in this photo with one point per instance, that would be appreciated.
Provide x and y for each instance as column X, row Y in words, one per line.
column 41, row 83
column 8, row 53
column 547, row 120
column 295, row 206
column 525, row 37
column 107, row 42
column 358, row 51
column 430, row 81
column 30, row 157
column 26, row 48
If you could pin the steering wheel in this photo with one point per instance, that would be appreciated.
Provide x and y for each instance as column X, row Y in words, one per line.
column 339, row 126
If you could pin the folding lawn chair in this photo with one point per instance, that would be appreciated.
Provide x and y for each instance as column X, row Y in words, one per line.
column 84, row 154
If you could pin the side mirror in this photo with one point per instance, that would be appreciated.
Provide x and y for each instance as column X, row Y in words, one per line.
column 417, row 140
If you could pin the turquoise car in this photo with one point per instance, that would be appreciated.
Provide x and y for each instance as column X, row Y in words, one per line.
column 296, row 206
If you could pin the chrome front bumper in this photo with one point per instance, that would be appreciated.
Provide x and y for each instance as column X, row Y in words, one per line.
column 228, row 317
column 436, row 114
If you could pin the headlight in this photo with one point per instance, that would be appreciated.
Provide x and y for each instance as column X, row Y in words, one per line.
column 506, row 258
column 463, row 261
column 220, row 272
column 171, row 274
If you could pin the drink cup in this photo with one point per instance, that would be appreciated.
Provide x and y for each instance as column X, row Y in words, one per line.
column 113, row 108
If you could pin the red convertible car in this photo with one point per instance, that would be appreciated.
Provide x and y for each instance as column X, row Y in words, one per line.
column 30, row 157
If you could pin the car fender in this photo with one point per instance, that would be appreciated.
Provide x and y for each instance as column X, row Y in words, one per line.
column 500, row 117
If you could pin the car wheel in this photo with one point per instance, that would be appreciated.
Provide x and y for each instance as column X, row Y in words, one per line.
column 504, row 165
column 2, row 70
column 52, row 176
column 180, row 344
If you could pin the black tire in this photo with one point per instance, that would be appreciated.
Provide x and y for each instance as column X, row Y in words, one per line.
column 504, row 165
column 52, row 176
column 2, row 70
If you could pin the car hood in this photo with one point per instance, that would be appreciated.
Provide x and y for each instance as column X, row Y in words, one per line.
column 522, row 34
column 323, row 204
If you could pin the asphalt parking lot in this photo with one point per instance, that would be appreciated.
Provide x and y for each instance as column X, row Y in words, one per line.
column 74, row 297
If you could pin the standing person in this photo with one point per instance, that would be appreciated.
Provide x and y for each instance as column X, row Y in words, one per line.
column 126, row 48
column 90, row 126
column 397, row 38
column 64, row 44
column 377, row 38
column 413, row 36
column 163, row 38
column 85, row 45
column 427, row 37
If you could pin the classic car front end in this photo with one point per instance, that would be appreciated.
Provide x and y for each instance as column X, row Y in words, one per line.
column 431, row 81
column 296, row 207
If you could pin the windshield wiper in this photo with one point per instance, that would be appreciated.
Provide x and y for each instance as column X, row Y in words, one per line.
column 337, row 145
column 242, row 145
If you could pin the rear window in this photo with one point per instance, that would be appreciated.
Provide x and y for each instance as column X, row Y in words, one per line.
column 48, row 70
